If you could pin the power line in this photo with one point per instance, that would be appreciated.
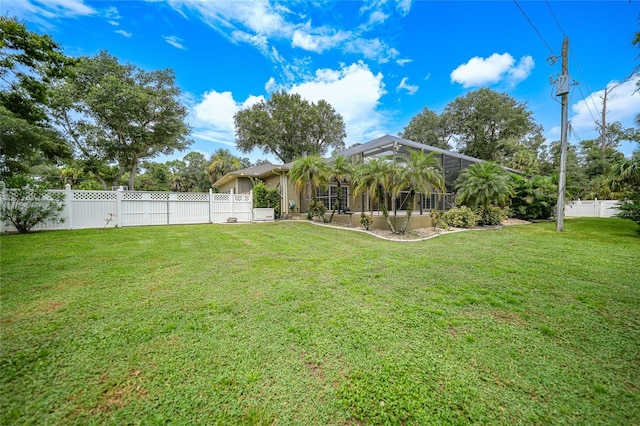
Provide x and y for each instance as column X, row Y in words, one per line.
column 575, row 59
column 553, row 55
column 554, row 18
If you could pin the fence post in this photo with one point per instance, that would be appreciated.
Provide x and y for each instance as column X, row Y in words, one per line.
column 3, row 198
column 251, row 206
column 232, row 198
column 596, row 210
column 120, row 193
column 210, row 202
column 67, row 206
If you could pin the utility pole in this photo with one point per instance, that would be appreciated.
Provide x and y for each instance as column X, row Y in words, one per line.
column 562, row 89
column 603, row 126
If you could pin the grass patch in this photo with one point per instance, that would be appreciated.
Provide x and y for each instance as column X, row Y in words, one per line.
column 290, row 323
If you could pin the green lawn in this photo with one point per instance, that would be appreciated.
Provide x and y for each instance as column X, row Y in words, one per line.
column 289, row 323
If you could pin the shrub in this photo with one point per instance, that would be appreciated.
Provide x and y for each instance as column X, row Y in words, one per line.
column 29, row 203
column 533, row 198
column 265, row 197
column 492, row 215
column 630, row 208
column 366, row 220
column 317, row 209
column 458, row 217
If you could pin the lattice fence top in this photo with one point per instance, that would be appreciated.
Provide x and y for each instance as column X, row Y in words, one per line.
column 242, row 197
column 132, row 195
column 221, row 197
column 193, row 197
column 94, row 195
column 159, row 196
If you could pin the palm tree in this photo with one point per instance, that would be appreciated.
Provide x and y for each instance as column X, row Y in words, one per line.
column 482, row 185
column 312, row 170
column 419, row 173
column 340, row 168
column 375, row 177
column 222, row 162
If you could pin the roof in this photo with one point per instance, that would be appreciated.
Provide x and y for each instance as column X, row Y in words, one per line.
column 384, row 145
column 260, row 172
column 388, row 145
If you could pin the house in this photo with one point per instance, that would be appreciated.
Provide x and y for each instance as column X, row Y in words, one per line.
column 292, row 201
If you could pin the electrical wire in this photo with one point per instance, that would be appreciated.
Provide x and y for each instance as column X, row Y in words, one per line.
column 575, row 59
column 536, row 30
column 555, row 19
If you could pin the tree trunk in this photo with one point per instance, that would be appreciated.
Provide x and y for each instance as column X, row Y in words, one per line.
column 385, row 211
column 338, row 201
column 132, row 172
column 412, row 195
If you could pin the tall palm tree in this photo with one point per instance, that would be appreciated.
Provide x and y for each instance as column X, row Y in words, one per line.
column 339, row 168
column 308, row 171
column 419, row 172
column 482, row 185
column 375, row 177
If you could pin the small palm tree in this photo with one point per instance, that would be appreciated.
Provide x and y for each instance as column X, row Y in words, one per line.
column 339, row 168
column 308, row 171
column 482, row 185
column 222, row 162
column 419, row 173
column 375, row 177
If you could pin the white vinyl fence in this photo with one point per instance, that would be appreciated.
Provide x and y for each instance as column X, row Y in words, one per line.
column 99, row 209
column 592, row 208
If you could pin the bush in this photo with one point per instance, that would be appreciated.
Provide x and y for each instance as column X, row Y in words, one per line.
column 317, row 209
column 366, row 220
column 458, row 217
column 492, row 215
column 534, row 198
column 29, row 203
column 630, row 208
column 265, row 197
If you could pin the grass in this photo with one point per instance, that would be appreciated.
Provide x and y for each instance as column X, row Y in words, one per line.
column 290, row 323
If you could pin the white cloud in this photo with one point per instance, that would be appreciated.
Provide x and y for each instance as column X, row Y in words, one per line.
column 402, row 62
column 174, row 41
column 494, row 69
column 317, row 42
column 123, row 33
column 623, row 104
column 408, row 87
column 112, row 15
column 43, row 12
column 212, row 117
column 264, row 24
column 372, row 49
column 378, row 17
column 354, row 92
column 521, row 71
column 251, row 16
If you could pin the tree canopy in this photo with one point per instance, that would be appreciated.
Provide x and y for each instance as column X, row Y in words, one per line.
column 289, row 127
column 28, row 63
column 490, row 125
column 428, row 128
column 119, row 114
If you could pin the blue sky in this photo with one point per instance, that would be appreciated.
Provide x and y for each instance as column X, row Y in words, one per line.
column 378, row 63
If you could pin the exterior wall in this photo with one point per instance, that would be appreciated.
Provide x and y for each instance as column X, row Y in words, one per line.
column 226, row 188
column 243, row 185
column 417, row 221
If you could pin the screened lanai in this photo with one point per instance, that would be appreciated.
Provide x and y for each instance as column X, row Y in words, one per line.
column 392, row 146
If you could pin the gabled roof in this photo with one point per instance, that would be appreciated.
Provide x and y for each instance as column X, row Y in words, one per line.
column 260, row 172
